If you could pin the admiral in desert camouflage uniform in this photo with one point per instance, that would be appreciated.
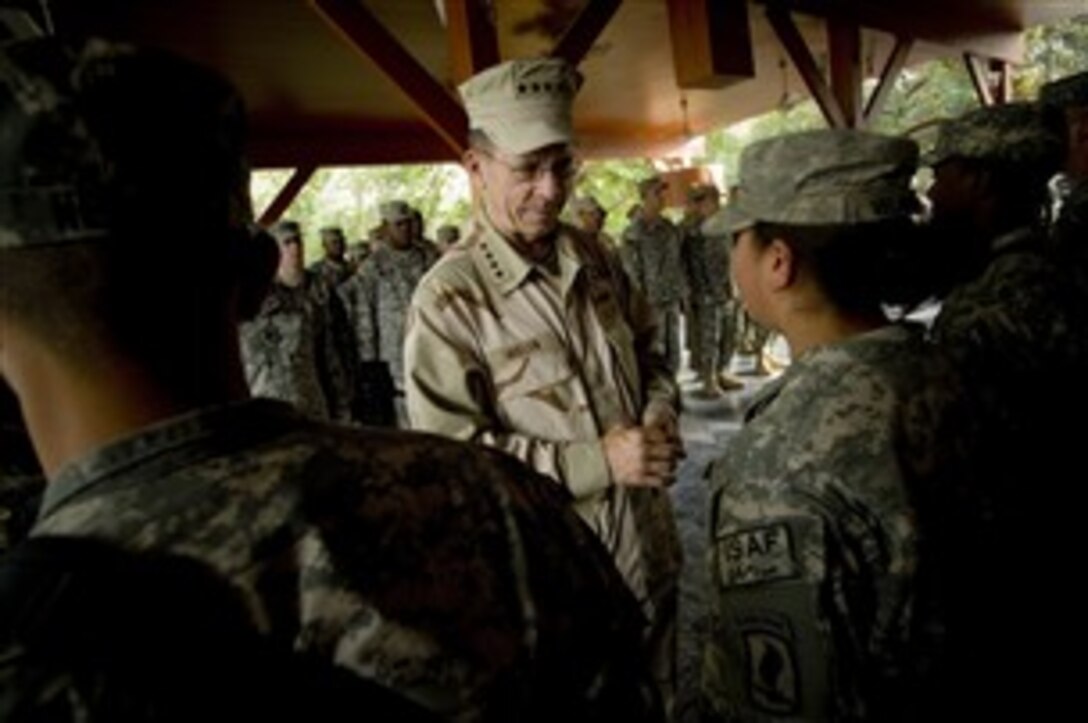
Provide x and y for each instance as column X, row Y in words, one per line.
column 827, row 508
column 298, row 348
column 453, row 575
column 652, row 256
column 528, row 338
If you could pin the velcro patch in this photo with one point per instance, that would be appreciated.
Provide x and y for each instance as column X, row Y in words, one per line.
column 773, row 685
column 756, row 555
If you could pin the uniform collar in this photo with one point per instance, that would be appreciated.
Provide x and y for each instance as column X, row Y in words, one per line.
column 506, row 269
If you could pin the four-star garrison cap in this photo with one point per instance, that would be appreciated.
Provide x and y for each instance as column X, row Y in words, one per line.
column 101, row 140
column 523, row 105
column 818, row 178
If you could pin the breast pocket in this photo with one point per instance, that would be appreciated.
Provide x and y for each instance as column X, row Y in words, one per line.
column 534, row 381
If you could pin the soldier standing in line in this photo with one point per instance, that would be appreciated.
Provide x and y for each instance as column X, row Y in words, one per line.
column 296, row 348
column 1015, row 323
column 706, row 260
column 589, row 216
column 831, row 511
column 377, row 296
column 333, row 268
column 651, row 255
column 1066, row 102
column 529, row 338
column 446, row 236
column 454, row 576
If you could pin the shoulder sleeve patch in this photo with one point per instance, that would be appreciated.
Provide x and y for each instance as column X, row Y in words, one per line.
column 756, row 555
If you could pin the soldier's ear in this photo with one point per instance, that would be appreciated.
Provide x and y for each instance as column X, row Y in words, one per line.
column 472, row 160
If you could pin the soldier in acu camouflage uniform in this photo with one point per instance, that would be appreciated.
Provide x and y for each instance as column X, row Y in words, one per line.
column 1066, row 101
column 446, row 236
column 377, row 297
column 527, row 337
column 334, row 269
column 298, row 347
column 827, row 509
column 651, row 255
column 706, row 259
column 453, row 575
column 1014, row 321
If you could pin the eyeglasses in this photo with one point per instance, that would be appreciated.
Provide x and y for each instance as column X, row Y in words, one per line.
column 529, row 170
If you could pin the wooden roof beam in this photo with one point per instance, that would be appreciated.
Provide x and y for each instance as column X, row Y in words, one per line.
column 473, row 41
column 584, row 31
column 989, row 29
column 809, row 70
column 844, row 46
column 897, row 60
column 991, row 79
column 711, row 43
column 287, row 195
column 365, row 33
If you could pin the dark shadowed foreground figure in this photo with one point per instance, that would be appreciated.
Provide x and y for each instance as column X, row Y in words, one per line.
column 453, row 576
column 92, row 633
column 836, row 509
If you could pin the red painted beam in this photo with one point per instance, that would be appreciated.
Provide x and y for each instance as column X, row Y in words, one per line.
column 287, row 195
column 897, row 60
column 473, row 41
column 367, row 35
column 802, row 58
column 584, row 31
column 844, row 45
column 711, row 42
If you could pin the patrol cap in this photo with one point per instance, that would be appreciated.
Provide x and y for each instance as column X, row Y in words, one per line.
column 285, row 230
column 702, row 191
column 1013, row 133
column 395, row 211
column 447, row 234
column 586, row 204
column 817, row 178
column 1068, row 92
column 523, row 105
column 102, row 140
column 646, row 185
column 334, row 231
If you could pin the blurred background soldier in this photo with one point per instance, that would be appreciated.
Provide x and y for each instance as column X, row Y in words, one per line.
column 334, row 267
column 293, row 349
column 588, row 215
column 706, row 260
column 651, row 255
column 1066, row 103
column 377, row 296
column 446, row 236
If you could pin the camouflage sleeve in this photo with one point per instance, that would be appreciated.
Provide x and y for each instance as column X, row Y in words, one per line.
column 812, row 584
column 365, row 318
column 447, row 391
column 770, row 641
column 658, row 382
column 631, row 257
column 334, row 354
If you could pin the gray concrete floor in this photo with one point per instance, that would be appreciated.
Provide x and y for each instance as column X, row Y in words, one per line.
column 707, row 426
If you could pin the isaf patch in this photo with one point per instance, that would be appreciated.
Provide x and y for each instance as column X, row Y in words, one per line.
column 756, row 555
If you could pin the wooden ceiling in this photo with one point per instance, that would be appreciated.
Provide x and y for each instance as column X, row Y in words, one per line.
column 317, row 96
